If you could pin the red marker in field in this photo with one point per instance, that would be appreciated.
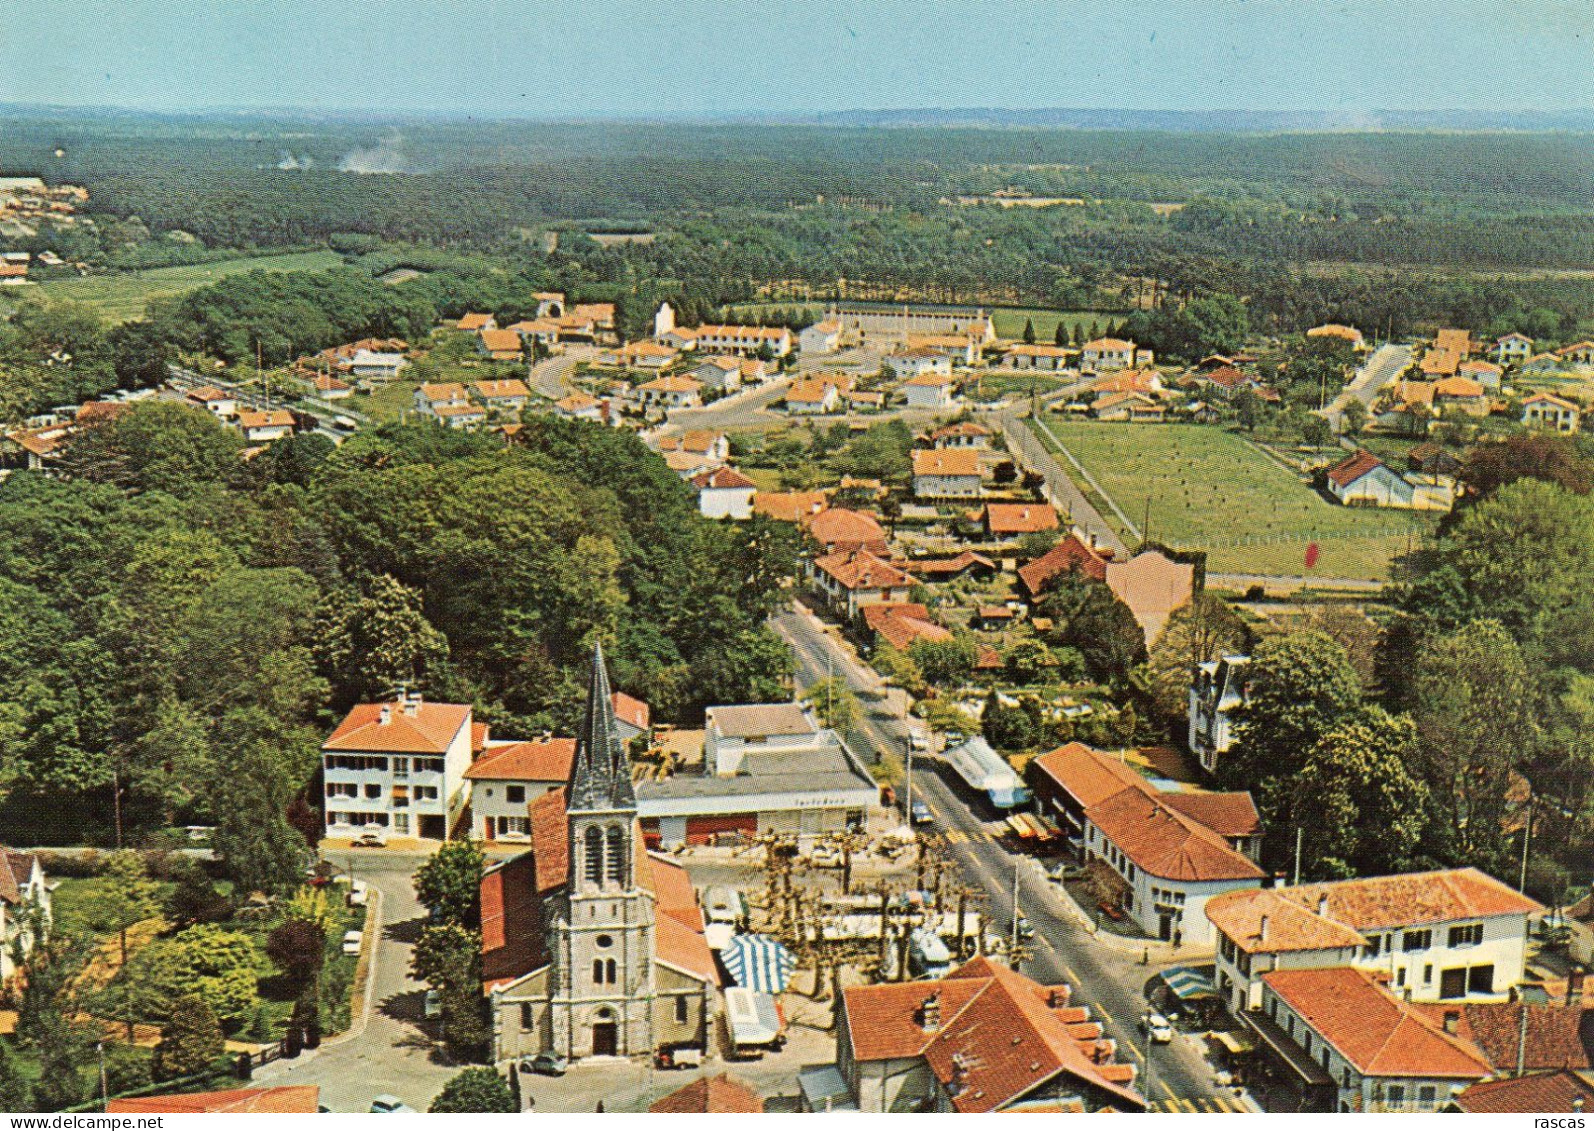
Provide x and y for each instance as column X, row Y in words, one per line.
column 1311, row 554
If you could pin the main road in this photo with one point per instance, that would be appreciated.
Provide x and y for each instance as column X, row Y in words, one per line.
column 1384, row 364
column 1108, row 974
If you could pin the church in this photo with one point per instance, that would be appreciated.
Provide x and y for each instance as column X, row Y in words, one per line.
column 591, row 945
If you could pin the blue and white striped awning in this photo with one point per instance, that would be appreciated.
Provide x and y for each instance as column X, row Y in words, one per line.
column 759, row 963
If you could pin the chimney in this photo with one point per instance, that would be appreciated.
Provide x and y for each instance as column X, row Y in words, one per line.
column 412, row 703
column 930, row 1013
column 1322, row 905
column 385, row 715
column 1452, row 1020
column 1261, row 929
column 1059, row 996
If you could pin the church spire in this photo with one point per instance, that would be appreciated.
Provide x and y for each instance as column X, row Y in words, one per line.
column 600, row 775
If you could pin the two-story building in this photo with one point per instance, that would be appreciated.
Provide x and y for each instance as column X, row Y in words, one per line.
column 24, row 899
column 929, row 388
column 851, row 579
column 1220, row 688
column 1111, row 353
column 266, row 425
column 398, row 767
column 1451, row 935
column 507, row 778
column 1513, row 349
column 1546, row 410
column 724, row 492
column 947, row 473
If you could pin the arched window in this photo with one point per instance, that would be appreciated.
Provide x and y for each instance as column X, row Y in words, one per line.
column 616, row 856
column 605, row 972
column 594, row 852
column 610, row 971
column 597, row 971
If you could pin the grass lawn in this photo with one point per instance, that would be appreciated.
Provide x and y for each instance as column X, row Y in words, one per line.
column 122, row 297
column 1209, row 490
column 387, row 401
column 996, row 385
column 1009, row 321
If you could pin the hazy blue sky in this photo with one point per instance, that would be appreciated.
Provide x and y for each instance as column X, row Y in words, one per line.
column 630, row 58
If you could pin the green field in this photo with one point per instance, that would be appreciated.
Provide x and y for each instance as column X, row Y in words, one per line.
column 1209, row 490
column 122, row 297
column 1008, row 322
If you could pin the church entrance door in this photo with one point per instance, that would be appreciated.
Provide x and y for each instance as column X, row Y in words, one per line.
column 605, row 1038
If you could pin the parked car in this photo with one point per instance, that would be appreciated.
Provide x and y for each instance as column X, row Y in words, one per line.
column 918, row 741
column 545, row 1064
column 825, row 856
column 359, row 893
column 1157, row 1027
column 372, row 836
column 390, row 1105
column 683, row 1056
column 432, row 1006
column 921, row 814
column 351, row 941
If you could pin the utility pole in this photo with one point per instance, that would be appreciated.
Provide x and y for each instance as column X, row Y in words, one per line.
column 1527, row 839
column 908, row 786
column 99, row 1051
column 1298, row 833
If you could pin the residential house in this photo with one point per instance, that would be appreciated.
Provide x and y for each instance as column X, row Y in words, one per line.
column 42, row 447
column 1071, row 555
column 913, row 364
column 669, row 393
column 285, row 1099
column 962, row 350
column 537, row 332
column 981, row 1039
column 1347, row 1044
column 964, row 434
column 1541, row 365
column 583, row 406
column 902, row 624
column 1014, row 520
column 1438, row 363
column 864, row 400
column 1577, row 354
column 1458, row 342
column 507, row 396
column 723, row 373
column 1546, row 410
column 812, row 398
column 724, row 492
column 1437, row 936
column 24, row 899
column 600, row 314
column 1364, row 480
column 840, row 529
column 1513, row 349
column 398, row 766
column 1049, row 359
column 640, row 355
column 265, row 426
column 1111, row 353
column 475, row 323
column 1146, row 382
column 1522, row 1036
column 368, row 365
column 713, row 446
column 1560, row 1091
column 1153, row 585
column 506, row 778
column 1220, row 688
column 499, row 345
column 745, row 340
column 593, row 946
column 710, row 1095
column 1485, row 373
column 790, row 506
column 1132, row 407
column 431, row 396
column 214, row 401
column 632, row 717
column 966, row 564
column 463, row 416
column 821, row 337
column 1164, row 855
column 929, row 390
column 1461, row 394
column 947, row 473
column 329, row 388
column 1347, row 334
column 851, row 579
column 1432, row 459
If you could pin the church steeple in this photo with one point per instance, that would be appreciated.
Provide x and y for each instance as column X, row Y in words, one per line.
column 600, row 775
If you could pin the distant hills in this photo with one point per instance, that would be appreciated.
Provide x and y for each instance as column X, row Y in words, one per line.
column 1210, row 121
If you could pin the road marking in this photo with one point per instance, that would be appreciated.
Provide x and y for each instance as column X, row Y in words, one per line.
column 1072, row 977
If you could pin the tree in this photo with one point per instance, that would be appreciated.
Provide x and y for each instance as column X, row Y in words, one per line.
column 1060, row 337
column 475, row 1090
column 298, row 947
column 205, row 961
column 1529, row 455
column 1006, row 727
column 1248, row 408
column 190, row 1042
column 448, row 958
column 155, row 446
column 945, row 663
column 1315, row 431
column 1199, row 632
column 449, row 883
column 834, row 702
column 15, row 1093
column 195, row 898
column 1088, row 616
column 368, row 643
column 123, row 895
column 266, row 764
column 898, row 667
column 1029, row 331
column 1354, row 415
column 1030, row 661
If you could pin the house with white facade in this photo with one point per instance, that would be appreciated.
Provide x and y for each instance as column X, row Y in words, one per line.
column 931, row 388
column 912, row 364
column 1048, row 359
column 1221, row 687
column 947, row 473
column 851, row 579
column 24, row 894
column 370, row 365
column 398, row 767
column 741, row 340
column 265, row 426
column 724, row 492
column 812, row 398
column 1111, row 353
column 723, row 372
column 506, row 396
column 214, row 401
column 430, row 396
column 1512, row 349
column 1546, row 410
column 1164, row 854
column 821, row 337
column 669, row 393
column 506, row 778
column 1454, row 935
column 1364, row 480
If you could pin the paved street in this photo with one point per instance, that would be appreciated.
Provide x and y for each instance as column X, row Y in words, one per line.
column 1105, row 971
column 1061, row 491
column 1381, row 367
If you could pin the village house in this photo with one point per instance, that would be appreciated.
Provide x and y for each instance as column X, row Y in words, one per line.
column 934, row 571
column 599, row 314
column 812, row 398
column 840, row 529
column 1436, row 363
column 430, row 396
column 584, row 406
column 1163, row 855
column 1049, row 359
column 1485, row 373
column 901, row 625
column 214, row 401
column 398, row 768
column 965, row 434
column 499, row 345
column 962, row 350
column 864, row 400
column 506, row 778
column 329, row 388
column 740, row 340
column 724, row 492
column 947, row 473
column 1130, row 407
column 475, row 323
column 1577, row 354
column 369, row 365
column 715, row 446
column 507, row 396
column 981, row 1039
column 536, row 332
column 1153, row 585
column 929, row 390
column 1513, row 349
column 669, row 393
column 821, row 337
column 851, row 579
column 24, row 895
column 1220, row 688
column 462, row 416
column 913, row 364
column 1458, row 342
column 790, row 506
column 726, row 373
column 593, row 946
column 1071, row 555
column 1437, row 936
column 1014, row 520
column 1561, row 1091
column 1111, row 353
column 1364, row 480
column 1541, row 365
column 710, row 1095
column 1347, row 334
column 1461, row 394
column 1546, row 410
column 265, row 426
column 640, row 355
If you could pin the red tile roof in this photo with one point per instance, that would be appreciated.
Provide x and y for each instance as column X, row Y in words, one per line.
column 293, row 1099
column 1549, row 1036
column 1373, row 1030
column 475, row 321
column 946, row 567
column 1528, row 1095
column 1165, row 843
column 722, row 478
column 1020, row 518
column 966, row 428
column 711, row 1095
column 512, row 928
column 1068, row 554
column 1353, row 467
column 429, row 731
column 903, row 624
column 946, row 461
column 1227, row 814
column 544, row 761
column 840, row 528
column 862, row 570
column 789, row 506
column 1089, row 776
column 631, row 711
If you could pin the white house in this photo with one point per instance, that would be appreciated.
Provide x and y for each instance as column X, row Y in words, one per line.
column 459, row 415
column 1452, row 935
column 23, row 892
column 730, row 733
column 266, row 426
column 743, row 339
column 724, row 492
column 1049, row 359
column 581, row 406
column 430, row 396
column 376, row 366
column 1546, row 410
column 507, row 778
column 1220, row 688
column 930, row 389
column 946, row 473
column 821, row 337
column 1513, row 349
column 918, row 363
column 508, row 396
column 960, row 349
column 723, row 373
column 214, row 401
column 812, row 398
column 1365, row 480
column 851, row 579
column 398, row 766
column 669, row 393
column 1111, row 353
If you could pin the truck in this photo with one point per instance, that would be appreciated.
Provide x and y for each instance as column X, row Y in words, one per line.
column 928, row 956
column 985, row 771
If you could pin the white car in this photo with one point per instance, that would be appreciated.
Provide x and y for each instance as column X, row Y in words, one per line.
column 1157, row 1027
column 390, row 1105
column 359, row 893
column 351, row 941
column 825, row 856
column 371, row 836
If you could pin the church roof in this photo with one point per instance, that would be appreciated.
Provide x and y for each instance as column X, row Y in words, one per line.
column 600, row 776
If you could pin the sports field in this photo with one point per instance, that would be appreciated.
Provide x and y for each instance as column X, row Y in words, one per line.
column 123, row 296
column 1205, row 488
